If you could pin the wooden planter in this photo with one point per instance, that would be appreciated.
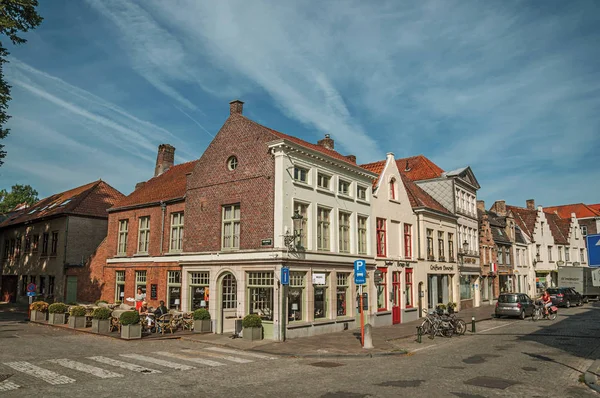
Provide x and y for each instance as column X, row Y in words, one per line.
column 101, row 326
column 202, row 326
column 130, row 332
column 38, row 316
column 252, row 333
column 56, row 319
column 76, row 322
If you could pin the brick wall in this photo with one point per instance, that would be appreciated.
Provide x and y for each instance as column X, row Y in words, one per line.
column 590, row 223
column 84, row 236
column 90, row 278
column 212, row 185
column 486, row 240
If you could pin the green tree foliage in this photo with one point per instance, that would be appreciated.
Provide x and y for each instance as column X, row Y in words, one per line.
column 19, row 194
column 15, row 16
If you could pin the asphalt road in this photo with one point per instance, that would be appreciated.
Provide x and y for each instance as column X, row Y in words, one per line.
column 506, row 357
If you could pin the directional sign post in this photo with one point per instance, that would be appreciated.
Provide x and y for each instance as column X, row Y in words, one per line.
column 593, row 249
column 31, row 294
column 360, row 278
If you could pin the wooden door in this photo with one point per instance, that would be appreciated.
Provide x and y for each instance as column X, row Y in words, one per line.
column 396, row 296
column 71, row 289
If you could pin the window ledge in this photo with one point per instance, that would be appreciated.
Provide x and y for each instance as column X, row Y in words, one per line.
column 363, row 201
column 395, row 201
column 345, row 197
column 318, row 322
column 173, row 253
column 141, row 255
column 122, row 255
column 344, row 318
column 411, row 309
column 384, row 312
column 325, row 191
column 299, row 324
column 302, row 184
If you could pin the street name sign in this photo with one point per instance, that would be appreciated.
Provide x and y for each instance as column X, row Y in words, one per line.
column 593, row 249
column 360, row 272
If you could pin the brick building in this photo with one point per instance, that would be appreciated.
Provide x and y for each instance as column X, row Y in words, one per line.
column 41, row 243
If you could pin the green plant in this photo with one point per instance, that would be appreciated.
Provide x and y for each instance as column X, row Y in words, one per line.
column 40, row 306
column 251, row 321
column 77, row 310
column 72, row 303
column 451, row 304
column 129, row 318
column 441, row 307
column 118, row 302
column 100, row 301
column 201, row 314
column 101, row 313
column 57, row 308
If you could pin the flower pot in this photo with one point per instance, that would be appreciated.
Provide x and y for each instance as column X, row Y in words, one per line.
column 101, row 326
column 252, row 333
column 202, row 326
column 38, row 316
column 130, row 332
column 56, row 319
column 76, row 322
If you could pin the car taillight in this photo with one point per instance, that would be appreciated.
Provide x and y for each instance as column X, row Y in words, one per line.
column 518, row 305
column 559, row 295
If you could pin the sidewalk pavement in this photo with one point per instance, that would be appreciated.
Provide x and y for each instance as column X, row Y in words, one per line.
column 592, row 376
column 339, row 344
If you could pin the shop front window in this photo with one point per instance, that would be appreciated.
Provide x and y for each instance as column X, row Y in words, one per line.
column 199, row 291
column 382, row 291
column 341, row 294
column 140, row 283
column 320, row 296
column 173, row 289
column 465, row 287
column 408, row 278
column 260, row 294
column 120, row 286
column 296, row 296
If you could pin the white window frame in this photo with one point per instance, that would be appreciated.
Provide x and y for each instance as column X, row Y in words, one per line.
column 363, row 234
column 323, row 229
column 144, row 234
column 344, row 187
column 361, row 192
column 119, row 281
column 300, row 174
column 176, row 238
column 323, row 177
column 123, row 233
column 344, row 231
column 230, row 224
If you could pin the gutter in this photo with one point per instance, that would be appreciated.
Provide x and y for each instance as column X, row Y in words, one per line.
column 163, row 207
column 143, row 205
column 66, row 242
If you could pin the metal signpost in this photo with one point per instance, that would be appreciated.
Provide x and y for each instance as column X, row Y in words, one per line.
column 360, row 278
column 31, row 294
column 593, row 249
column 285, row 282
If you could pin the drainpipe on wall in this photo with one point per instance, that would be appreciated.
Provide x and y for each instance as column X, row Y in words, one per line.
column 64, row 277
column 163, row 208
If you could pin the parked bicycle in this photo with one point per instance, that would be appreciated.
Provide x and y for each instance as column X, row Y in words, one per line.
column 442, row 324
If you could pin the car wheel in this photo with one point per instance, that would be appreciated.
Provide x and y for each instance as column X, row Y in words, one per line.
column 522, row 314
column 568, row 304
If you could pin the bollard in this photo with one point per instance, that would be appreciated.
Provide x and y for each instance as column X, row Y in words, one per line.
column 472, row 324
column 368, row 337
column 419, row 334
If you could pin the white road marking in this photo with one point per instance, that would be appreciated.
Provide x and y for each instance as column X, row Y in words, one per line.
column 202, row 361
column 8, row 386
column 215, row 355
column 157, row 361
column 423, row 348
column 496, row 327
column 99, row 372
column 239, row 352
column 124, row 365
column 48, row 376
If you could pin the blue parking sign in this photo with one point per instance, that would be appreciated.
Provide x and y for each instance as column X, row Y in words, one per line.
column 360, row 272
column 593, row 248
column 285, row 276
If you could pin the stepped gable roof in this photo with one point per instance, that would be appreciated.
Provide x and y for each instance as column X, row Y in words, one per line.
column 560, row 231
column 519, row 238
column 91, row 200
column 419, row 168
column 524, row 218
column 419, row 198
column 170, row 185
column 581, row 210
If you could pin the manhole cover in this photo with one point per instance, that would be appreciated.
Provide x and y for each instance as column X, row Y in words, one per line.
column 491, row 382
column 326, row 364
column 401, row 383
column 343, row 394
column 529, row 368
column 4, row 377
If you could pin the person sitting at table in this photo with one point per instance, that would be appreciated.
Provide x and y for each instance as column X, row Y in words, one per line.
column 161, row 310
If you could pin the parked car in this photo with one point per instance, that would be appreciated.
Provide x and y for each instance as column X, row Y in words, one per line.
column 514, row 304
column 565, row 296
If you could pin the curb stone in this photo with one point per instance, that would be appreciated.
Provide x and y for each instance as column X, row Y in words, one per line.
column 591, row 376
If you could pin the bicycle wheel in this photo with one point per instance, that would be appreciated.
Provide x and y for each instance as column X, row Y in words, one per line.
column 552, row 316
column 432, row 331
column 460, row 327
column 426, row 326
column 536, row 314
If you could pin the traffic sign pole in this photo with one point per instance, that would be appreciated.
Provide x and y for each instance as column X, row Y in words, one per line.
column 362, row 317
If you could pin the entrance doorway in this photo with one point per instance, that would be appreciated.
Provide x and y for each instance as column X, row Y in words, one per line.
column 227, row 303
column 9, row 288
column 71, row 289
column 396, row 297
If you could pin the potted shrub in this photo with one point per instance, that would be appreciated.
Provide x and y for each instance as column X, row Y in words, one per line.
column 101, row 303
column 202, row 322
column 101, row 320
column 76, row 317
column 451, row 307
column 38, row 311
column 131, row 328
column 252, row 327
column 57, row 314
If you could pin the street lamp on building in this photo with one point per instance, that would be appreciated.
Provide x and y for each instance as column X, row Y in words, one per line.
column 461, row 254
column 293, row 240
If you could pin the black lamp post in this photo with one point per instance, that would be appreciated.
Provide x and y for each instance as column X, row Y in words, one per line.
column 290, row 240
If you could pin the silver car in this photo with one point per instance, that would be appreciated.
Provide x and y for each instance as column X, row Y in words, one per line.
column 514, row 304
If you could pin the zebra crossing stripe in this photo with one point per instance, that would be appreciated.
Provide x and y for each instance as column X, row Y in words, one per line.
column 8, row 386
column 202, row 361
column 99, row 372
column 48, row 376
column 216, row 355
column 157, row 361
column 124, row 365
column 238, row 352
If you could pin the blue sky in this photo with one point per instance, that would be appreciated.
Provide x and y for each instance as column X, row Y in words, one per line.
column 510, row 88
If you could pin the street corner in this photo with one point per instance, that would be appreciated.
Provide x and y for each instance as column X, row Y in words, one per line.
column 592, row 375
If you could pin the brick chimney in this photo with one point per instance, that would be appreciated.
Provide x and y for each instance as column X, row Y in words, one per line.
column 326, row 142
column 530, row 204
column 236, row 106
column 165, row 159
column 481, row 205
column 351, row 158
column 499, row 207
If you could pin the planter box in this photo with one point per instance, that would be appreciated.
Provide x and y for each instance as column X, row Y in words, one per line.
column 56, row 319
column 101, row 326
column 202, row 326
column 129, row 332
column 76, row 322
column 252, row 333
column 38, row 316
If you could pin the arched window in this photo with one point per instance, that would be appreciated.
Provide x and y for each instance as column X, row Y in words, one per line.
column 393, row 188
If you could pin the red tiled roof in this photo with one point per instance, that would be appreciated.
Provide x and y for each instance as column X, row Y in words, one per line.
column 525, row 219
column 329, row 152
column 419, row 198
column 596, row 207
column 375, row 167
column 419, row 168
column 169, row 185
column 559, row 230
column 581, row 210
column 91, row 199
